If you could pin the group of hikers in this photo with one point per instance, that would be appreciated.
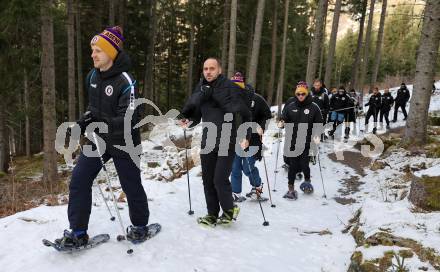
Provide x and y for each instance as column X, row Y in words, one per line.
column 225, row 102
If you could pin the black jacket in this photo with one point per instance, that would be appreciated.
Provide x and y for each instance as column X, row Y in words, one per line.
column 375, row 102
column 109, row 98
column 387, row 101
column 210, row 101
column 320, row 97
column 402, row 96
column 299, row 113
column 339, row 102
column 260, row 112
column 290, row 100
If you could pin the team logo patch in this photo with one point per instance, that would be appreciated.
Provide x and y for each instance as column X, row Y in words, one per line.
column 109, row 90
column 253, row 104
column 95, row 39
column 306, row 111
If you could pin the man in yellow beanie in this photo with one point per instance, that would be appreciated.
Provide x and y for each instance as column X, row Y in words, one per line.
column 111, row 91
column 300, row 117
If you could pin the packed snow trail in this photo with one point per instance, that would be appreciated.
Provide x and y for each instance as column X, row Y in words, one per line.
column 289, row 243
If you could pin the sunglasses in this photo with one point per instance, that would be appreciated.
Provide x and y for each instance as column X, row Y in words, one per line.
column 301, row 94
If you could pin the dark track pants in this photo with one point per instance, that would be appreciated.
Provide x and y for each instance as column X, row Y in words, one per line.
column 371, row 112
column 396, row 110
column 297, row 165
column 80, row 196
column 215, row 174
column 385, row 113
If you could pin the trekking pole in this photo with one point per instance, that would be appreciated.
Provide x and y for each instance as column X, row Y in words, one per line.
column 119, row 237
column 267, row 177
column 344, row 109
column 112, row 218
column 320, row 171
column 276, row 161
column 265, row 223
column 190, row 212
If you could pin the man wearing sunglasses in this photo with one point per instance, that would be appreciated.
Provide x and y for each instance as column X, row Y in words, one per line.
column 302, row 111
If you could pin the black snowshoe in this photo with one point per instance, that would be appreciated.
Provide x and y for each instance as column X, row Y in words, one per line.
column 306, row 187
column 72, row 243
column 138, row 235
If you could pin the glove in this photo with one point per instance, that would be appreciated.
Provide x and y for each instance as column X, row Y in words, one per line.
column 85, row 120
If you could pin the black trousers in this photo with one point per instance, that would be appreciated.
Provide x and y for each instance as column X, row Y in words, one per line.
column 215, row 174
column 80, row 195
column 371, row 112
column 396, row 109
column 297, row 165
column 385, row 113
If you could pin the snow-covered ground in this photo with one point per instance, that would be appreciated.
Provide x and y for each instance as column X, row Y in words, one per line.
column 303, row 235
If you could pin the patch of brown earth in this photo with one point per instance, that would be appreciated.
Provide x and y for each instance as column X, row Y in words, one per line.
column 353, row 160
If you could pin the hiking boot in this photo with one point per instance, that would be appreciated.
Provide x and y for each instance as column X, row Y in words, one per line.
column 73, row 239
column 228, row 216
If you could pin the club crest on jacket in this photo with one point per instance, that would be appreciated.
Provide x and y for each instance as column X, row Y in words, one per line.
column 109, row 90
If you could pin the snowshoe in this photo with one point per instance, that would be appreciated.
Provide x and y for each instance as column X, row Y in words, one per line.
column 253, row 193
column 291, row 195
column 238, row 198
column 207, row 220
column 70, row 243
column 138, row 235
column 228, row 217
column 70, row 240
column 306, row 187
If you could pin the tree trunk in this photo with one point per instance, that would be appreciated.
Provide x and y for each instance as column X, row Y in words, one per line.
column 364, row 65
column 271, row 84
column 121, row 16
column 111, row 12
column 256, row 44
column 379, row 42
column 70, row 24
column 227, row 13
column 232, row 38
column 148, row 91
column 332, row 44
column 79, row 59
column 48, row 86
column 322, row 50
column 249, row 44
column 280, row 87
column 191, row 50
column 357, row 56
column 26, row 117
column 416, row 125
column 4, row 162
column 313, row 62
